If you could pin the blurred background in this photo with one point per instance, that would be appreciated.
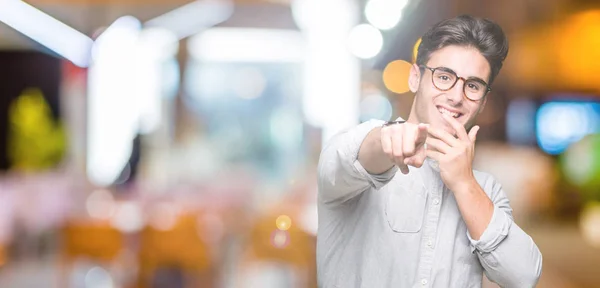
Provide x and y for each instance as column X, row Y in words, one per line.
column 174, row 143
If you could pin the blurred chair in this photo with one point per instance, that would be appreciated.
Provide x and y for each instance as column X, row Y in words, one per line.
column 176, row 252
column 91, row 240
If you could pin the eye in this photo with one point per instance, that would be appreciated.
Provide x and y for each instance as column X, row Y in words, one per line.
column 445, row 77
column 474, row 86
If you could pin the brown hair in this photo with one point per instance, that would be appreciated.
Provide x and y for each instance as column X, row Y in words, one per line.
column 482, row 34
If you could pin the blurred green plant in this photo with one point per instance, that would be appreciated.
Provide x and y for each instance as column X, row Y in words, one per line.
column 36, row 141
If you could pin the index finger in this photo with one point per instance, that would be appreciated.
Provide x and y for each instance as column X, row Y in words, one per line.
column 461, row 133
column 421, row 134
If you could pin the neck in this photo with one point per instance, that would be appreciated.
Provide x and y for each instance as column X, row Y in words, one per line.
column 412, row 117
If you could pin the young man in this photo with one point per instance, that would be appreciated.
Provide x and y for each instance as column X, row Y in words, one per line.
column 437, row 223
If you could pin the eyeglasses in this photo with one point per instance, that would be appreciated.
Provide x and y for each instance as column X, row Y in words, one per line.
column 444, row 79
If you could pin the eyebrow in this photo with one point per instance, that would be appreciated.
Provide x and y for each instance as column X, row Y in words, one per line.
column 468, row 78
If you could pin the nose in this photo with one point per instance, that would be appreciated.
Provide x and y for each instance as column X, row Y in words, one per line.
column 455, row 95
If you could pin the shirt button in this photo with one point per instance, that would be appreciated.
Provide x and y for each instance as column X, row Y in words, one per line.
column 436, row 201
column 424, row 282
column 430, row 243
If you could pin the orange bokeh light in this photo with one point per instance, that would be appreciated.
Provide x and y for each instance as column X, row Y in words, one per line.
column 395, row 76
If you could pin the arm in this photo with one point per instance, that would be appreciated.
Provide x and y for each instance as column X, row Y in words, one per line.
column 341, row 176
column 371, row 155
column 396, row 144
column 508, row 255
column 368, row 156
column 475, row 207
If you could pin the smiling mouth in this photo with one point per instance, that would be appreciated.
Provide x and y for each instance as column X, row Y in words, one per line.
column 443, row 110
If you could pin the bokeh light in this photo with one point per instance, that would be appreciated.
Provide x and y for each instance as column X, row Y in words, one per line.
column 322, row 15
column 581, row 164
column 577, row 49
column 283, row 222
column 395, row 76
column 590, row 224
column 561, row 123
column 164, row 216
column 384, row 14
column 128, row 217
column 98, row 277
column 249, row 83
column 286, row 128
column 280, row 239
column 375, row 106
column 365, row 41
column 100, row 204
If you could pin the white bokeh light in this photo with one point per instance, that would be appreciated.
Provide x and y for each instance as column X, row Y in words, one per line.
column 365, row 41
column 249, row 83
column 128, row 217
column 384, row 14
column 100, row 204
column 331, row 73
column 98, row 277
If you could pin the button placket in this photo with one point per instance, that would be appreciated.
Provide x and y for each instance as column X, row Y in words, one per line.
column 430, row 231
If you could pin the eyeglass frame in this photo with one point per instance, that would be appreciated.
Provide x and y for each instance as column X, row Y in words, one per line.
column 487, row 86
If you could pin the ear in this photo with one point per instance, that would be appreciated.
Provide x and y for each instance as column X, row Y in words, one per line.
column 414, row 78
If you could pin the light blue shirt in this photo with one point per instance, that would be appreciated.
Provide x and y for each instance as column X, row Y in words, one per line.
column 396, row 230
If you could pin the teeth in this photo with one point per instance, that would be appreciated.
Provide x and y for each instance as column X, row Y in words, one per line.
column 444, row 111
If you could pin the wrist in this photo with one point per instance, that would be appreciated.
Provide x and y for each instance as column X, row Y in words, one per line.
column 465, row 186
column 371, row 155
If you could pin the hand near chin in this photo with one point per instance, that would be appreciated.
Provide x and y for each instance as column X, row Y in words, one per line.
column 453, row 154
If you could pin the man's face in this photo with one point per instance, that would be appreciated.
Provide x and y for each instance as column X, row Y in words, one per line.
column 431, row 102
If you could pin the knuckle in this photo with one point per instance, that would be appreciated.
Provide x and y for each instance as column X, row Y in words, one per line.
column 396, row 138
column 387, row 150
column 383, row 132
column 396, row 128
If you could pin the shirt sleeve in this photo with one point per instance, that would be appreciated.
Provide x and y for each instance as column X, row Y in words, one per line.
column 340, row 175
column 508, row 255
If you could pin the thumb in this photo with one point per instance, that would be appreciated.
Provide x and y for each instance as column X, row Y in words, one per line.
column 473, row 133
